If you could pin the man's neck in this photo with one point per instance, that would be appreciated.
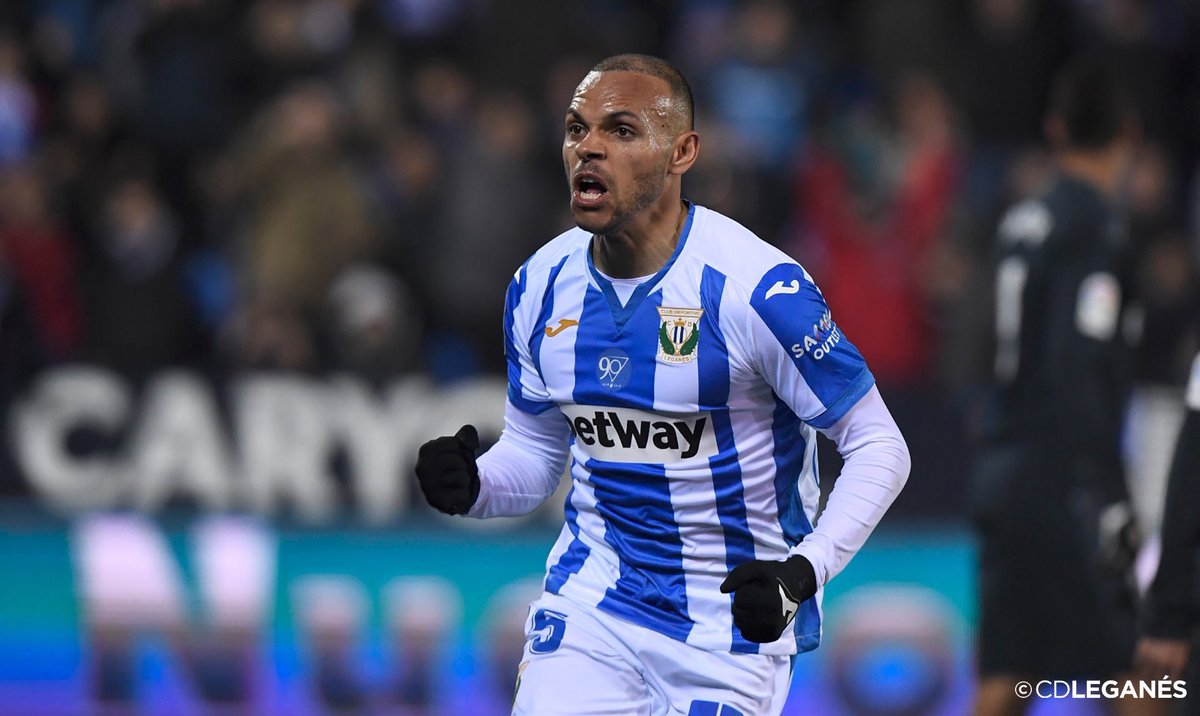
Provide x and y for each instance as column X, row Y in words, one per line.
column 1102, row 170
column 642, row 248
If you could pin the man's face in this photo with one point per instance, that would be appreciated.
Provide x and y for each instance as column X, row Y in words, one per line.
column 620, row 129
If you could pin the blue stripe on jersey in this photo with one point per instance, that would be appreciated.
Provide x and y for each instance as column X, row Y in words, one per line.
column 789, row 464
column 634, row 500
column 516, row 291
column 796, row 314
column 570, row 561
column 621, row 314
column 538, row 331
column 713, row 368
column 787, row 430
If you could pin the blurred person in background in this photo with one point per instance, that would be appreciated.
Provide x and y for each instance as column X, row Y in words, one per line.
column 424, row 614
column 494, row 167
column 874, row 197
column 627, row 343
column 1003, row 53
column 303, row 216
column 1165, row 295
column 308, row 213
column 18, row 106
column 140, row 314
column 874, row 200
column 375, row 332
column 331, row 611
column 1171, row 611
column 762, row 93
column 1049, row 496
column 41, row 258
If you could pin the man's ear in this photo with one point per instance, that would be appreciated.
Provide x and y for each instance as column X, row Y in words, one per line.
column 684, row 153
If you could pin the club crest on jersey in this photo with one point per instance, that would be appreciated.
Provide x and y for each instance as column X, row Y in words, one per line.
column 678, row 334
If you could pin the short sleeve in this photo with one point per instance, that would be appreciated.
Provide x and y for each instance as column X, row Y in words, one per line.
column 800, row 351
column 525, row 387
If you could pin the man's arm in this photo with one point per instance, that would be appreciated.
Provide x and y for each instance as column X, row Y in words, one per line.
column 876, row 468
column 801, row 353
column 512, row 478
column 524, row 467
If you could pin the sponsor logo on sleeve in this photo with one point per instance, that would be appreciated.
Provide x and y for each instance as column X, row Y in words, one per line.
column 637, row 436
column 824, row 337
column 781, row 288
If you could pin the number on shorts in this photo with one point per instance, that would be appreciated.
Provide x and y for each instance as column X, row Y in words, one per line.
column 548, row 629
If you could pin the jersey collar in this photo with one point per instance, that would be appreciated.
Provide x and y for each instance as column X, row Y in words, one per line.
column 621, row 313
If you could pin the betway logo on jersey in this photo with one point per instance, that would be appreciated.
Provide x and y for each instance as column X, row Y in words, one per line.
column 825, row 335
column 628, row 435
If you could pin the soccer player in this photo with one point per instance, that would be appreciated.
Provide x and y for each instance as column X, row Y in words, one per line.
column 684, row 366
column 1170, row 614
column 1048, row 491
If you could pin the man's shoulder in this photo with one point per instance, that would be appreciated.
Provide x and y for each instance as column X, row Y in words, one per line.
column 1066, row 214
column 552, row 253
column 738, row 253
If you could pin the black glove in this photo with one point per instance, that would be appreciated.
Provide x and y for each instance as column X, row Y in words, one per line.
column 767, row 595
column 447, row 473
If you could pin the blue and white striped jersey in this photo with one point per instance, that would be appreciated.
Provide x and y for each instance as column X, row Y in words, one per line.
column 692, row 411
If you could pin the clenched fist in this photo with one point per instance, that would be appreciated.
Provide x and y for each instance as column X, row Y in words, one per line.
column 447, row 473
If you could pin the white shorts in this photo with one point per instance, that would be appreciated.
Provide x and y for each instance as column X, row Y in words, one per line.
column 581, row 661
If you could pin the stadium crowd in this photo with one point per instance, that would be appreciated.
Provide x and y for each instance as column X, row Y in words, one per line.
column 323, row 186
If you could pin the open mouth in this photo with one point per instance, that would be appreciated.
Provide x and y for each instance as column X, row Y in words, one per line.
column 589, row 189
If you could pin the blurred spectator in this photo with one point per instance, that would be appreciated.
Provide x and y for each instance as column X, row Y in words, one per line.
column 308, row 212
column 495, row 216
column 43, row 263
column 290, row 40
column 1003, row 54
column 376, row 334
column 18, row 108
column 85, row 137
column 423, row 615
column 407, row 184
column 266, row 334
column 763, row 92
column 330, row 611
column 875, row 201
column 1166, row 287
column 140, row 316
column 182, row 50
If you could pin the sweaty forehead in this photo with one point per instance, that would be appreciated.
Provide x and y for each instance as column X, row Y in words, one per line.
column 606, row 92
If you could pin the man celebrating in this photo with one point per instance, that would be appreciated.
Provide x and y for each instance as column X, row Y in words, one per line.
column 684, row 366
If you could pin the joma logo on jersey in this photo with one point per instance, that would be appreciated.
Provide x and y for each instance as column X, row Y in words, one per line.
column 825, row 335
column 626, row 435
column 678, row 334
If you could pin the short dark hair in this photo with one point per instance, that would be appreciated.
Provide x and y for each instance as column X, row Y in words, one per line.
column 1091, row 101
column 681, row 92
